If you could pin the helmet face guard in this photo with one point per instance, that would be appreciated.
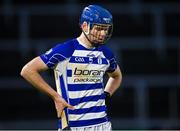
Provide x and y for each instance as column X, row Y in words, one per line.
column 99, row 18
column 100, row 33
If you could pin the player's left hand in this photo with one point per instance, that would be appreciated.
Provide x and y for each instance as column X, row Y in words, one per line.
column 108, row 102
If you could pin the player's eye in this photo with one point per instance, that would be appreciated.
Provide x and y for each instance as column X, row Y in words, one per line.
column 101, row 28
column 98, row 28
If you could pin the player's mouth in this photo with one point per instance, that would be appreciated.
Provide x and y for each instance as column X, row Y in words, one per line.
column 98, row 39
column 101, row 39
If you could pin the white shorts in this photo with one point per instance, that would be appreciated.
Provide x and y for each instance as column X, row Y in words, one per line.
column 100, row 127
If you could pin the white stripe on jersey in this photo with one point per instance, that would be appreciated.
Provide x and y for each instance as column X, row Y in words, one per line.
column 90, row 104
column 85, row 53
column 79, row 94
column 99, row 127
column 87, row 116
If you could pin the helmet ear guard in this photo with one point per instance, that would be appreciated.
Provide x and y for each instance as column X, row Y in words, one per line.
column 87, row 30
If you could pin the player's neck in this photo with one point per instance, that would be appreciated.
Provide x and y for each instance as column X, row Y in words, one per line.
column 82, row 38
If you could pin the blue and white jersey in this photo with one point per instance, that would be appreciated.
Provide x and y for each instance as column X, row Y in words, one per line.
column 79, row 77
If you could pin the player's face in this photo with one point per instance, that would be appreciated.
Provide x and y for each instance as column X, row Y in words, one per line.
column 99, row 33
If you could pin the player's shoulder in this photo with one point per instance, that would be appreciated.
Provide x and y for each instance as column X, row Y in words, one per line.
column 69, row 44
column 64, row 48
column 106, row 51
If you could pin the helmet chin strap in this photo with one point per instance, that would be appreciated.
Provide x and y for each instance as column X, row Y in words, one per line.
column 92, row 43
column 88, row 33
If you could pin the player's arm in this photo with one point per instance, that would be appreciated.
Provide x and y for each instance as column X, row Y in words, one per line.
column 31, row 72
column 114, row 81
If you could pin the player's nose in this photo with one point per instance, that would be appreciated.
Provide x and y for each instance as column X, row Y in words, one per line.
column 103, row 32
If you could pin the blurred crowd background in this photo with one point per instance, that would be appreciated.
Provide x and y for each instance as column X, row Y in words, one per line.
column 146, row 42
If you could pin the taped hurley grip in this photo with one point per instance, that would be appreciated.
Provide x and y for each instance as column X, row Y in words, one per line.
column 63, row 118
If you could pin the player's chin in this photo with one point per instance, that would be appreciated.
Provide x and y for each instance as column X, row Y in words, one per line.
column 98, row 43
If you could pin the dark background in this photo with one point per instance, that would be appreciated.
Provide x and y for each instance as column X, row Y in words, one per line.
column 146, row 42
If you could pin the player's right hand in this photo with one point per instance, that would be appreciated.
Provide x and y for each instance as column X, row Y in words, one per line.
column 60, row 104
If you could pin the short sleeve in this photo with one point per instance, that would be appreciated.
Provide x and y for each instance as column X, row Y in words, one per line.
column 113, row 65
column 112, row 60
column 57, row 54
